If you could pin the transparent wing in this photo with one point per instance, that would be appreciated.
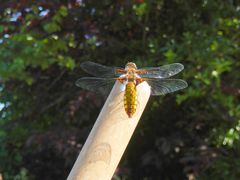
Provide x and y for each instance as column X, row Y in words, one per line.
column 164, row 86
column 99, row 85
column 101, row 70
column 165, row 71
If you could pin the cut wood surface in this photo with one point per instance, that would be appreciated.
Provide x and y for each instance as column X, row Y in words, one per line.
column 109, row 136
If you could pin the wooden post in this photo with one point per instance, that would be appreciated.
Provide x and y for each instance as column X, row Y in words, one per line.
column 109, row 136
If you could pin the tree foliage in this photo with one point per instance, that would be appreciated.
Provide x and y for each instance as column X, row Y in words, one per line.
column 45, row 119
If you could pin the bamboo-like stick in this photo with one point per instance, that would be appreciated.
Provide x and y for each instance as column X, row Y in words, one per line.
column 109, row 136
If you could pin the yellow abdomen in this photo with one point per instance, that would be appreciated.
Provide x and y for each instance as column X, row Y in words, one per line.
column 130, row 99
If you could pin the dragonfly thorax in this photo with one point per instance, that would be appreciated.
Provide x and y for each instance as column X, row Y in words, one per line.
column 130, row 69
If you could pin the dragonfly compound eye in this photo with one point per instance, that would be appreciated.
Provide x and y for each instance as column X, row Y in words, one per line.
column 131, row 65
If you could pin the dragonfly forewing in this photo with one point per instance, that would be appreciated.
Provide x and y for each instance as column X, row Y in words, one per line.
column 99, row 70
column 165, row 71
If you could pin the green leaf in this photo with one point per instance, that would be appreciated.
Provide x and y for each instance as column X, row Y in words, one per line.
column 140, row 9
column 51, row 27
column 63, row 11
column 170, row 55
column 1, row 29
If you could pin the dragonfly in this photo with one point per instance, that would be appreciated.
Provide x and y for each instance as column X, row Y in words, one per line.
column 158, row 78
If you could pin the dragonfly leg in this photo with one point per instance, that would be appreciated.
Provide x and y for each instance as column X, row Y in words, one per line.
column 121, row 79
column 139, row 80
column 121, row 71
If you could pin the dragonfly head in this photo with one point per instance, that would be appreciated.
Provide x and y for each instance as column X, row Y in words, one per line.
column 130, row 65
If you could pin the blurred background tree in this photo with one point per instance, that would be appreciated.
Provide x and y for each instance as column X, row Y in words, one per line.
column 45, row 118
